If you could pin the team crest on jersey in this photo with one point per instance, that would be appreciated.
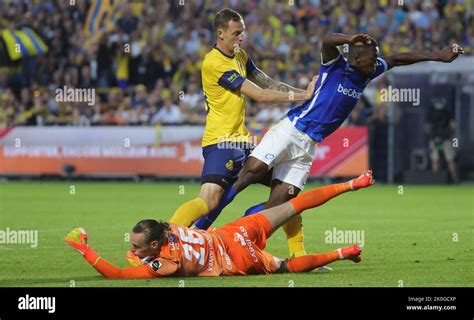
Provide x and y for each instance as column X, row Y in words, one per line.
column 230, row 165
column 155, row 265
column 173, row 242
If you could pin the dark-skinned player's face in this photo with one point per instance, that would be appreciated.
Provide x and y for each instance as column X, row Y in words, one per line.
column 366, row 60
column 233, row 36
column 140, row 247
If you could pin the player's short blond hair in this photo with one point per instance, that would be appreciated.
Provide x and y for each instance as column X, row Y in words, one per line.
column 224, row 16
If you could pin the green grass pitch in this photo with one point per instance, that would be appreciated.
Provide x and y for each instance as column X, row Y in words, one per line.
column 423, row 237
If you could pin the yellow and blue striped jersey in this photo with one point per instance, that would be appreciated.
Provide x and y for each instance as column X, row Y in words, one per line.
column 222, row 75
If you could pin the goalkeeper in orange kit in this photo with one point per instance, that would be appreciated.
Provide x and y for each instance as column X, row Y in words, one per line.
column 160, row 249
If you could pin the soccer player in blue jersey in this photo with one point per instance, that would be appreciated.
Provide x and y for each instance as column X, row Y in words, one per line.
column 289, row 146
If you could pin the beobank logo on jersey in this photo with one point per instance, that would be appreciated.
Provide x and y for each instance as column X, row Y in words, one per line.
column 349, row 92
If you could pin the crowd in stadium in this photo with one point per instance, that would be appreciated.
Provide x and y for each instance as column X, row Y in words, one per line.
column 145, row 69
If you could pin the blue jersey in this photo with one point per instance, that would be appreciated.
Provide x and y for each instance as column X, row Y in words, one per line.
column 337, row 91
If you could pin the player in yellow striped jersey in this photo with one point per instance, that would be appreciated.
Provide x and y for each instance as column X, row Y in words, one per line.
column 229, row 76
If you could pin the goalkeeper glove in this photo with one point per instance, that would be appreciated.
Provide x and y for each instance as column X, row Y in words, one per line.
column 77, row 239
column 132, row 259
column 135, row 261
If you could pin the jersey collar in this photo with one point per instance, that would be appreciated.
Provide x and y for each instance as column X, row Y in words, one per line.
column 225, row 55
column 357, row 75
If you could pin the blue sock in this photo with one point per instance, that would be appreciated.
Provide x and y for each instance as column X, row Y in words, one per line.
column 205, row 222
column 254, row 209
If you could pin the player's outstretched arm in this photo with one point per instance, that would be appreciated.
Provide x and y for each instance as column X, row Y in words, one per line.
column 259, row 94
column 330, row 51
column 261, row 79
column 77, row 239
column 446, row 55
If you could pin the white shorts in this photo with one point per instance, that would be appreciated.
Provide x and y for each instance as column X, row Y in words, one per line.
column 288, row 151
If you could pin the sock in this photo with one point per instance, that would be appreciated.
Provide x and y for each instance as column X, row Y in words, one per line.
column 254, row 209
column 312, row 261
column 316, row 197
column 205, row 222
column 189, row 212
column 294, row 235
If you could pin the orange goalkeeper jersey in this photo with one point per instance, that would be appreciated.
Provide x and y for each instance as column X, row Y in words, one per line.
column 235, row 249
column 191, row 252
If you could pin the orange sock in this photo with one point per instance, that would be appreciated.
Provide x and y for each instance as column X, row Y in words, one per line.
column 316, row 197
column 311, row 261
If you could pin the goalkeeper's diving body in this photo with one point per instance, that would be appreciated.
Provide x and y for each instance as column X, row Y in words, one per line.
column 160, row 249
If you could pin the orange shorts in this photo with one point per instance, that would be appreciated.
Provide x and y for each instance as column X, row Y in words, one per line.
column 245, row 241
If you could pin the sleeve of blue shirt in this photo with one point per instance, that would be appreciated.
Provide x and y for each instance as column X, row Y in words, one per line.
column 231, row 80
column 336, row 63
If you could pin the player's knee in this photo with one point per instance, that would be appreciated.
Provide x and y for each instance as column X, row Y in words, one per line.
column 212, row 203
column 211, row 195
column 211, row 200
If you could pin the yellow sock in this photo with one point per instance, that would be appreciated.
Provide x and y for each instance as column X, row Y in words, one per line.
column 294, row 234
column 190, row 212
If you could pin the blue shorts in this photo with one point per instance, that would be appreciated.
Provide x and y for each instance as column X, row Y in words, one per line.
column 222, row 165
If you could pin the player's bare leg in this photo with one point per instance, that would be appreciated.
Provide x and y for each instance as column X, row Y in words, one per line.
column 453, row 170
column 211, row 193
column 252, row 172
column 280, row 193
